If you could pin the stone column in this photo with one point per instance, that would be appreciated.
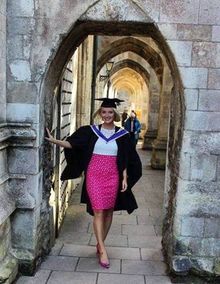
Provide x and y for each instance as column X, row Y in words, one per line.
column 154, row 95
column 158, row 159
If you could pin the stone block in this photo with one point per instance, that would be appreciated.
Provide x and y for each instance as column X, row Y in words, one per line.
column 185, row 161
column 15, row 47
column 211, row 229
column 218, row 170
column 20, row 26
column 193, row 227
column 20, row 70
column 194, row 77
column 194, row 32
column 3, row 7
column 25, row 239
column 200, row 120
column 182, row 51
column 209, row 12
column 2, row 112
column 27, row 41
column 8, row 270
column 20, row 112
column 181, row 264
column 169, row 31
column 191, row 99
column 216, row 33
column 62, row 263
column 58, row 277
column 209, row 100
column 21, row 8
column 198, row 199
column 3, row 162
column 27, row 193
column 204, row 143
column 7, row 205
column 143, row 267
column 202, row 264
column 206, row 54
column 119, row 279
column 23, row 161
column 91, row 265
column 4, row 238
column 213, row 80
column 22, row 92
column 203, row 167
column 3, row 46
column 179, row 11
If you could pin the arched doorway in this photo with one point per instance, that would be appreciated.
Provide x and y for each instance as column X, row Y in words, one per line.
column 66, row 49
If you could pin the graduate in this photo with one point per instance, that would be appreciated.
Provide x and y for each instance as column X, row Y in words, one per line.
column 111, row 167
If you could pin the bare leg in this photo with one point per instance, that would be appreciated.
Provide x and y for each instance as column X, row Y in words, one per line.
column 98, row 225
column 108, row 214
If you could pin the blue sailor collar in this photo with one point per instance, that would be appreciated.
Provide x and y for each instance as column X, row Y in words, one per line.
column 121, row 132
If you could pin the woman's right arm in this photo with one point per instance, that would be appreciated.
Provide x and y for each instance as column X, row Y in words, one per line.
column 61, row 143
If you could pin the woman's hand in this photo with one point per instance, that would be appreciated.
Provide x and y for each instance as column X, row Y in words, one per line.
column 50, row 137
column 61, row 143
column 124, row 185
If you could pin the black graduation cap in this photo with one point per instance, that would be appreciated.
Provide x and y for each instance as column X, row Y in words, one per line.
column 107, row 102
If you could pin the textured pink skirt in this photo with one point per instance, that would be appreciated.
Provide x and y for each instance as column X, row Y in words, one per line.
column 102, row 181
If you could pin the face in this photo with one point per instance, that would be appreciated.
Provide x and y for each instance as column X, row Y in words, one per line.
column 107, row 114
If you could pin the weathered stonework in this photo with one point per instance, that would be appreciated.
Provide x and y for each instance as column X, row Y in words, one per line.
column 38, row 48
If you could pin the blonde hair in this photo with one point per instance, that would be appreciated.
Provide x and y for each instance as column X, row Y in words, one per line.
column 117, row 116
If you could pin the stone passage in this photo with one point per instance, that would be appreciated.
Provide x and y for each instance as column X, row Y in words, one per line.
column 133, row 244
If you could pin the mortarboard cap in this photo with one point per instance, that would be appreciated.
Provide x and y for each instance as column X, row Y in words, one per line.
column 107, row 102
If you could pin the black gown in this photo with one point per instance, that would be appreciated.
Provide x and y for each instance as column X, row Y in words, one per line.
column 78, row 157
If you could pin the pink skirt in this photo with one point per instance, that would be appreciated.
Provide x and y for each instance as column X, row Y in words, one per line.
column 102, row 181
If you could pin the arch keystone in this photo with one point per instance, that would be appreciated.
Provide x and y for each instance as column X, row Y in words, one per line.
column 115, row 10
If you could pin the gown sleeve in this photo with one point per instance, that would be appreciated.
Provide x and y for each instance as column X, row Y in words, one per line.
column 134, row 165
column 75, row 156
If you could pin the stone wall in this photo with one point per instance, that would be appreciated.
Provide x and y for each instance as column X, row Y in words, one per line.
column 38, row 46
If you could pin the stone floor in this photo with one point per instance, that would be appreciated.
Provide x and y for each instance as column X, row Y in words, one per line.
column 133, row 243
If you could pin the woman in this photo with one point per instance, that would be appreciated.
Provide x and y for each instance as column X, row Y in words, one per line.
column 111, row 166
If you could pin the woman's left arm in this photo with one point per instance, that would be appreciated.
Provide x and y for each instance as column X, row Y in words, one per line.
column 124, row 181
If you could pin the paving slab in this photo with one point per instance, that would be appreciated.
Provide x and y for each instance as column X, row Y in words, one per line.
column 151, row 254
column 57, row 248
column 143, row 267
column 144, row 241
column 125, row 219
column 75, row 237
column 140, row 230
column 115, row 229
column 112, row 240
column 120, row 279
column 62, row 263
column 92, row 265
column 60, row 277
column 39, row 278
column 158, row 280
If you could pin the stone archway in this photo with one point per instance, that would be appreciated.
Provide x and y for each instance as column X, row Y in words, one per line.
column 38, row 48
column 136, row 46
column 76, row 36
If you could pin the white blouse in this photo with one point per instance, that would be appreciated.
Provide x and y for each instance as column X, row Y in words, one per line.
column 106, row 148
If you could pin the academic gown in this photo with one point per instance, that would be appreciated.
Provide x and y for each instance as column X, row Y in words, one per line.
column 78, row 157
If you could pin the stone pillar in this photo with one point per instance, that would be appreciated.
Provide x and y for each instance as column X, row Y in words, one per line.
column 158, row 159
column 3, row 60
column 151, row 133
